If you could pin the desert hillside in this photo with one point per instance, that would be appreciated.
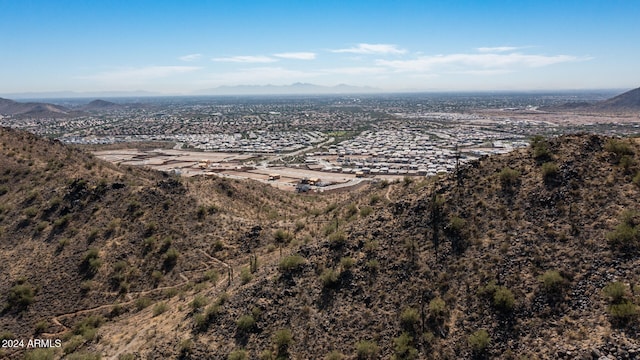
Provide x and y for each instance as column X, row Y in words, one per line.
column 533, row 254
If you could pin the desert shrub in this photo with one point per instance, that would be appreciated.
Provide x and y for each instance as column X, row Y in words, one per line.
column 87, row 327
column 329, row 277
column 245, row 275
column 352, row 210
column 403, row 348
column 149, row 243
column 40, row 354
column 185, row 347
column 198, row 302
column 282, row 237
column 619, row 148
column 409, row 318
column 157, row 276
column 171, row 258
column 142, row 303
column 334, row 355
column 212, row 276
column 479, row 341
column 21, row 295
column 266, row 355
column 291, row 263
column 83, row 355
column 282, row 339
column 41, row 326
column 374, row 199
column 238, row 355
column 7, row 335
column 503, row 299
column 372, row 265
column 73, row 344
column 30, row 212
column 540, row 148
column 337, row 239
column 366, row 350
column 62, row 222
column 41, row 226
column 347, row 262
column 552, row 281
column 371, row 246
column 615, row 291
column 93, row 235
column 366, row 211
column 549, row 171
column 299, row 225
column 200, row 322
column 330, row 208
column 456, row 225
column 636, row 179
column 437, row 307
column 626, row 162
column 91, row 262
column 623, row 311
column 626, row 235
column 246, row 323
column 508, row 177
column 160, row 308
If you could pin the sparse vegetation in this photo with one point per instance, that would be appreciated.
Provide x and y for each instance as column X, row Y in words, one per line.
column 142, row 303
column 549, row 171
column 282, row 340
column 367, row 350
column 291, row 263
column 245, row 276
column 329, row 277
column 409, row 318
column 160, row 308
column 503, row 299
column 334, row 355
column 552, row 281
column 508, row 178
column 479, row 341
column 626, row 236
column 540, row 148
column 619, row 148
column 20, row 296
column 246, row 323
column 403, row 347
column 238, row 355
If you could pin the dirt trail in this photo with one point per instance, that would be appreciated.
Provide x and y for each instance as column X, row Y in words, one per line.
column 56, row 320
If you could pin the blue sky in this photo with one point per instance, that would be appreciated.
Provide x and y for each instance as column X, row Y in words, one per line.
column 177, row 47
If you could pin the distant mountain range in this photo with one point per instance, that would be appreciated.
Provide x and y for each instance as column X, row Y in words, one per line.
column 628, row 101
column 293, row 89
column 75, row 94
column 33, row 109
column 97, row 105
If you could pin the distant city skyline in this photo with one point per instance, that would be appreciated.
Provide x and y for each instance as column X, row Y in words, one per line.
column 182, row 48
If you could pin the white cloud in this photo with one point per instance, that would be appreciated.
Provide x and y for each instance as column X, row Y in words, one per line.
column 356, row 70
column 372, row 49
column 476, row 62
column 498, row 49
column 190, row 57
column 246, row 59
column 297, row 55
column 130, row 75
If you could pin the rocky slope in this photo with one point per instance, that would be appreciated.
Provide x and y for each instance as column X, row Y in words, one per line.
column 536, row 257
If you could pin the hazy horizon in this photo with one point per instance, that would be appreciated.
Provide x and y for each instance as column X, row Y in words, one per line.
column 169, row 48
